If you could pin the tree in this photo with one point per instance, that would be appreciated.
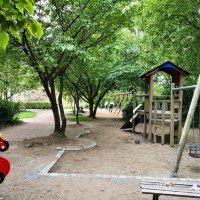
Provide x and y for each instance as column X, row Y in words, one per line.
column 170, row 31
column 90, row 83
column 111, row 67
column 15, row 75
column 70, row 29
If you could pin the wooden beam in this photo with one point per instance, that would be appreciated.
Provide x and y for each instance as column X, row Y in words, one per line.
column 150, row 107
column 163, row 123
column 134, row 106
column 180, row 108
column 155, row 119
column 172, row 116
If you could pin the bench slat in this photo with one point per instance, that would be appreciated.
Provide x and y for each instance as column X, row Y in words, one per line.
column 171, row 186
column 146, row 191
column 171, row 189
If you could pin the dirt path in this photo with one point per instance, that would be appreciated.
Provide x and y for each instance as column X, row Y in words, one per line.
column 41, row 125
column 115, row 154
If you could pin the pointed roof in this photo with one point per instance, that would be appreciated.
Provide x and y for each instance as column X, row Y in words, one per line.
column 169, row 68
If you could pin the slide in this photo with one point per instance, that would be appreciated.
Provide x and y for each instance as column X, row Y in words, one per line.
column 128, row 123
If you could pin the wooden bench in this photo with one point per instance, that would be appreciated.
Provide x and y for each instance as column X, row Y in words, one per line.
column 183, row 187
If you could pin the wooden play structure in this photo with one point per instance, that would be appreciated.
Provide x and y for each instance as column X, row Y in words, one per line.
column 161, row 115
column 183, row 187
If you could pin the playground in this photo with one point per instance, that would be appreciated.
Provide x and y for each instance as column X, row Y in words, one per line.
column 111, row 170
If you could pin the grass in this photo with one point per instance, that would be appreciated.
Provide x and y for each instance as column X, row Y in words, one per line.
column 26, row 114
column 81, row 119
column 73, row 114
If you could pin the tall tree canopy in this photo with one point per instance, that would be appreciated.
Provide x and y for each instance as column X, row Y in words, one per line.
column 71, row 28
column 170, row 31
column 114, row 66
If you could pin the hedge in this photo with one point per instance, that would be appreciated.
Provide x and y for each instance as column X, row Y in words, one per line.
column 36, row 105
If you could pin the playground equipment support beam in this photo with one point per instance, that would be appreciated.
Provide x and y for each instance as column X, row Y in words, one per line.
column 172, row 116
column 186, row 128
column 185, row 88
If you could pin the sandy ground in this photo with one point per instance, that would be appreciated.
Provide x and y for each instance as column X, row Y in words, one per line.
column 115, row 154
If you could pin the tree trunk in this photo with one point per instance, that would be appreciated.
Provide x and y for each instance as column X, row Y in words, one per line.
column 77, row 108
column 91, row 111
column 59, row 128
column 62, row 113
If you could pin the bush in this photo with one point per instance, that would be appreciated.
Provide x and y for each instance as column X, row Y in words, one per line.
column 128, row 111
column 37, row 105
column 8, row 112
column 187, row 98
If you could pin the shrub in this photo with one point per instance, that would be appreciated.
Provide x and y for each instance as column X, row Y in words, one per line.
column 37, row 105
column 187, row 98
column 8, row 112
column 128, row 111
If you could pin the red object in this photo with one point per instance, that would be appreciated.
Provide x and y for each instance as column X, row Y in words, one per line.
column 4, row 145
column 4, row 166
column 1, row 143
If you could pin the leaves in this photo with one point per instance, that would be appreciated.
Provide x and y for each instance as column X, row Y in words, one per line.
column 20, row 7
column 15, row 16
column 4, row 38
column 28, row 6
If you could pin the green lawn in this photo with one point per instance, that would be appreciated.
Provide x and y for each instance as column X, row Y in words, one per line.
column 26, row 114
column 73, row 114
column 81, row 119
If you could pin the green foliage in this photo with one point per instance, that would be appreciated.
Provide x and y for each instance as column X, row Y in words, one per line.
column 35, row 29
column 187, row 98
column 26, row 114
column 8, row 112
column 15, row 76
column 4, row 39
column 128, row 111
column 14, row 17
column 169, row 31
column 37, row 105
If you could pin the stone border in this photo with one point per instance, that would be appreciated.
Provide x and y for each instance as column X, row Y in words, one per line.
column 45, row 171
column 92, row 143
column 120, row 178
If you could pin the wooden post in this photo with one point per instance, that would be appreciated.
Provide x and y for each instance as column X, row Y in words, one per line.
column 145, row 124
column 186, row 128
column 172, row 116
column 134, row 106
column 180, row 108
column 155, row 119
column 163, row 123
column 150, row 107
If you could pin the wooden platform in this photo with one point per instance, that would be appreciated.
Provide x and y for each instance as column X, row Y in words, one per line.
column 167, row 121
column 159, row 114
column 171, row 186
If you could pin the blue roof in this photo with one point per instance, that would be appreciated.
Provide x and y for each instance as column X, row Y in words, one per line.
column 167, row 67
